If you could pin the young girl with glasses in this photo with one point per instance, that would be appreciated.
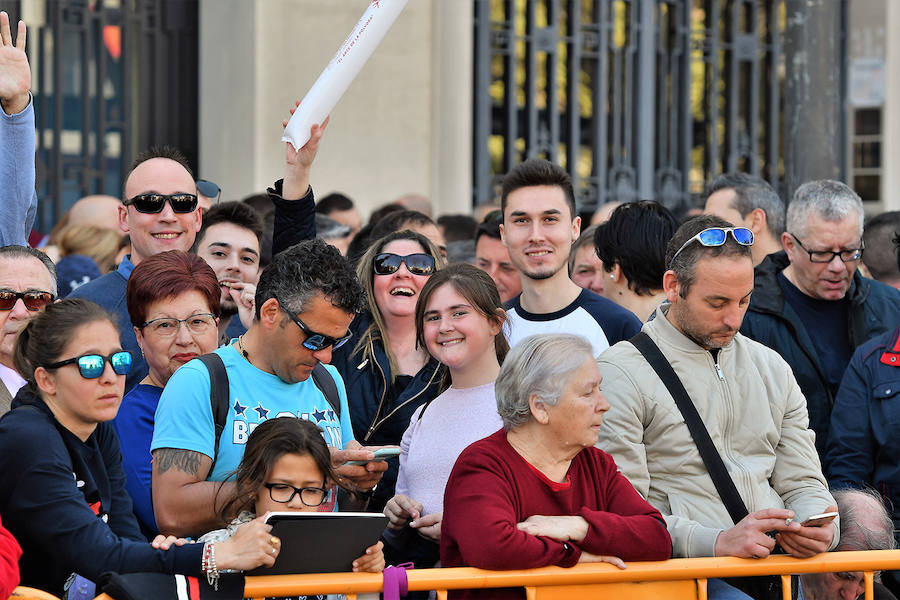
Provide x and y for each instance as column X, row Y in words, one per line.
column 286, row 467
column 386, row 373
column 62, row 488
column 459, row 319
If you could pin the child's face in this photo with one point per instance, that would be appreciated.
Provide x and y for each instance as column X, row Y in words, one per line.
column 298, row 471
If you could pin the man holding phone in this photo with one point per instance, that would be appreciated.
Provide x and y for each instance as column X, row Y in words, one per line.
column 745, row 398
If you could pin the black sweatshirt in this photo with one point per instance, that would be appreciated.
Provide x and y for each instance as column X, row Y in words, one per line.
column 65, row 502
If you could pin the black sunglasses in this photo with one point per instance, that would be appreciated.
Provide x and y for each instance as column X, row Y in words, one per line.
column 32, row 300
column 315, row 341
column 91, row 366
column 387, row 263
column 153, row 203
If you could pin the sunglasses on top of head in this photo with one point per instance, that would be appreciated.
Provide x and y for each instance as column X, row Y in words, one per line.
column 152, row 203
column 420, row 263
column 717, row 236
column 32, row 300
column 91, row 366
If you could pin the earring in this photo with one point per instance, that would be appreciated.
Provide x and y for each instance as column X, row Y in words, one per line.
column 612, row 276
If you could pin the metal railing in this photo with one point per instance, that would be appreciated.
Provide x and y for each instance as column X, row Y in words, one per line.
column 539, row 583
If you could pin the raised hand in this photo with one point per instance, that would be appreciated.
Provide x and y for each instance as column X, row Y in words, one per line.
column 15, row 74
column 299, row 162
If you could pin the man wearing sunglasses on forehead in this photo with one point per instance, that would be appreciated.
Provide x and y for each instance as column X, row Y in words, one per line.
column 811, row 305
column 745, row 399
column 27, row 284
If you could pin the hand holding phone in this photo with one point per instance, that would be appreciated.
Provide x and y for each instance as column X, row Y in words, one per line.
column 819, row 520
column 380, row 454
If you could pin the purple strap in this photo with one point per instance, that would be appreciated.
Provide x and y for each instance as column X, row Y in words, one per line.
column 395, row 583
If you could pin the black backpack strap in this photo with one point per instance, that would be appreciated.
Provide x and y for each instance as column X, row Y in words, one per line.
column 325, row 382
column 219, row 395
column 714, row 465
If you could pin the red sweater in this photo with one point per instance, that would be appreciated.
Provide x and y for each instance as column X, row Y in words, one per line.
column 9, row 562
column 492, row 488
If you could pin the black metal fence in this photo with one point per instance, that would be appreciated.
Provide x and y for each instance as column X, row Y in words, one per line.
column 110, row 78
column 638, row 99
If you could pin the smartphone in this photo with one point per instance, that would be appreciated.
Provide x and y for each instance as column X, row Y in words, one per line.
column 381, row 454
column 819, row 520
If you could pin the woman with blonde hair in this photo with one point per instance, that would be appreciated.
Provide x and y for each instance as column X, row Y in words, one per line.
column 387, row 373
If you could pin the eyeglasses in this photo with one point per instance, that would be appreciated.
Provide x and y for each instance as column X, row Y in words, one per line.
column 387, row 263
column 91, row 366
column 826, row 256
column 168, row 326
column 209, row 189
column 154, row 203
column 716, row 236
column 315, row 341
column 284, row 493
column 32, row 300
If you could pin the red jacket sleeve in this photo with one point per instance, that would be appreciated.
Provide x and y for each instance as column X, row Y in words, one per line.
column 479, row 521
column 630, row 527
column 9, row 562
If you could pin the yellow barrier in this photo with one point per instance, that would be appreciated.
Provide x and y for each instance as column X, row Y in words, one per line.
column 676, row 578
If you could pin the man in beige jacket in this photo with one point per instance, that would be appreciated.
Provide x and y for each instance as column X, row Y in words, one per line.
column 744, row 393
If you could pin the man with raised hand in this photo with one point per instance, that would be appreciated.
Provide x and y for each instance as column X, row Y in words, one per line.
column 18, row 200
column 539, row 226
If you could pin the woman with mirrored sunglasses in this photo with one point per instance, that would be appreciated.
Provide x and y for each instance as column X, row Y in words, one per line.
column 62, row 489
column 387, row 374
column 173, row 303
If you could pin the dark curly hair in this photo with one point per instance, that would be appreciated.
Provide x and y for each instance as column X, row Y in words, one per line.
column 311, row 267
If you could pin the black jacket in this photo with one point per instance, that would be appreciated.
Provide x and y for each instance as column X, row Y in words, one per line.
column 379, row 413
column 64, row 500
column 874, row 309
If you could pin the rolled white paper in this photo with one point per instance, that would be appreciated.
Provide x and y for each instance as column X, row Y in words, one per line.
column 342, row 70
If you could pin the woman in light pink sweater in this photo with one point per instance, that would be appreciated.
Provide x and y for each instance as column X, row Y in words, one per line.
column 459, row 319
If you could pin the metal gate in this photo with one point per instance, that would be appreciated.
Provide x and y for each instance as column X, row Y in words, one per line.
column 637, row 99
column 110, row 78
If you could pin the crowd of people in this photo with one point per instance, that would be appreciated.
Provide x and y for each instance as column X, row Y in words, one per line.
column 652, row 386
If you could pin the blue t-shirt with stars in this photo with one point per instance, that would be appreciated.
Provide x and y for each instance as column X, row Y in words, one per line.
column 184, row 417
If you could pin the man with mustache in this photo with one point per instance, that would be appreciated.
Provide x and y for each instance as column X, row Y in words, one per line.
column 744, row 395
column 809, row 302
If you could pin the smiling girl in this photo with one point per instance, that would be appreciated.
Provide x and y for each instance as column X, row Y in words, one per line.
column 459, row 319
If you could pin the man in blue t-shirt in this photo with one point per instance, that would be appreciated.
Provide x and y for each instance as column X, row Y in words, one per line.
column 539, row 226
column 305, row 301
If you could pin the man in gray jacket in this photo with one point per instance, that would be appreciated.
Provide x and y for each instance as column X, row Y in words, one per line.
column 745, row 395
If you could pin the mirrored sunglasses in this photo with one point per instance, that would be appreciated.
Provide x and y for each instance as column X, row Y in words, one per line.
column 154, row 203
column 91, row 366
column 32, row 300
column 387, row 263
column 716, row 236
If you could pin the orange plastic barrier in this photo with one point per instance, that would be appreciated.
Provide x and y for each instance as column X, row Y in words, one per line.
column 676, row 578
column 26, row 593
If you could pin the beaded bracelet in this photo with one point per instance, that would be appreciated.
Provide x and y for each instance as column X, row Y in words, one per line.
column 208, row 565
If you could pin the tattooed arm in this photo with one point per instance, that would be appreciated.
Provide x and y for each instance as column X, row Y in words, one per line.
column 185, row 504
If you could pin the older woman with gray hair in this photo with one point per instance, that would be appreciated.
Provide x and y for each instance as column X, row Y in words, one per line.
column 538, row 492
